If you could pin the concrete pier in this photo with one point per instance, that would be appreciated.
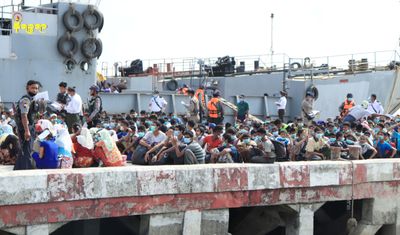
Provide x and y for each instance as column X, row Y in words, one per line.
column 196, row 199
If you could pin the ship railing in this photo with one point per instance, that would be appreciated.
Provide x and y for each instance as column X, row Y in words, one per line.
column 327, row 66
column 193, row 66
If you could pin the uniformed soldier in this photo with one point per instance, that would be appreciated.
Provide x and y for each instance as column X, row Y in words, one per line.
column 25, row 120
column 62, row 96
column 95, row 107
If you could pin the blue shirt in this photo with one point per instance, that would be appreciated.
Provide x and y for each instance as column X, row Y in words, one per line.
column 396, row 139
column 50, row 158
column 383, row 148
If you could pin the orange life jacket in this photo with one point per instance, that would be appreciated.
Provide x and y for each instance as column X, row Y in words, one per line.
column 199, row 94
column 212, row 106
column 347, row 106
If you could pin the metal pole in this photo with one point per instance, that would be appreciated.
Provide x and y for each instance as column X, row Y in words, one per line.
column 272, row 39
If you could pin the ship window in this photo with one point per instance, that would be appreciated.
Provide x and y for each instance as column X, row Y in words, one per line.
column 84, row 66
column 69, row 65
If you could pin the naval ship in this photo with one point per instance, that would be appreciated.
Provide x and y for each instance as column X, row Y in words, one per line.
column 60, row 41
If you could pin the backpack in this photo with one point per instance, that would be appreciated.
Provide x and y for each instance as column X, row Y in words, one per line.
column 280, row 151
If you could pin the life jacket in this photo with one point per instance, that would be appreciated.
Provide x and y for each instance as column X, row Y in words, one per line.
column 347, row 106
column 199, row 94
column 214, row 110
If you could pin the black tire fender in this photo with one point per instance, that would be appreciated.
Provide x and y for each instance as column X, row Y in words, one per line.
column 90, row 11
column 313, row 90
column 67, row 38
column 90, row 43
column 67, row 22
column 172, row 85
column 295, row 66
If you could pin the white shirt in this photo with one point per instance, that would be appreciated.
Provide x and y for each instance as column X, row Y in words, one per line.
column 359, row 112
column 157, row 100
column 150, row 138
column 281, row 104
column 375, row 107
column 74, row 106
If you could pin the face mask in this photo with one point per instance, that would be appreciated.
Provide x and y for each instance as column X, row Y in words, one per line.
column 349, row 142
column 176, row 133
column 376, row 130
column 349, row 99
column 376, row 120
column 332, row 140
column 293, row 136
column 224, row 144
column 152, row 128
column 384, row 130
column 112, row 125
column 167, row 124
column 300, row 124
column 257, row 139
column 319, row 135
column 186, row 140
column 246, row 141
column 275, row 133
column 397, row 119
column 140, row 134
column 380, row 137
column 335, row 130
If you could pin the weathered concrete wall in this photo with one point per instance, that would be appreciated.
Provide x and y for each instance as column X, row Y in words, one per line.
column 77, row 194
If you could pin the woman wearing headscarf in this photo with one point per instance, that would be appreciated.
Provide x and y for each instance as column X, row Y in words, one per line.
column 5, row 130
column 106, row 150
column 64, row 144
column 47, row 157
column 11, row 151
column 83, row 147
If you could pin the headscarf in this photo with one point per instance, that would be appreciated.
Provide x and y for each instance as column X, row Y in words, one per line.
column 5, row 130
column 85, row 139
column 63, row 139
column 105, row 136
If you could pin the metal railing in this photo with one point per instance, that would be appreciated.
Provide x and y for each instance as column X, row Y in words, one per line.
column 348, row 63
column 295, row 67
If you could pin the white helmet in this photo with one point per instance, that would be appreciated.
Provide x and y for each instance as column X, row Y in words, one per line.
column 364, row 104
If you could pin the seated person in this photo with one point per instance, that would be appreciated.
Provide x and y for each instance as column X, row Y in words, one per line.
column 317, row 147
column 152, row 138
column 367, row 151
column 385, row 150
column 83, row 146
column 298, row 151
column 64, row 143
column 227, row 153
column 106, row 150
column 212, row 141
column 193, row 153
column 47, row 157
column 10, row 150
column 264, row 143
column 340, row 142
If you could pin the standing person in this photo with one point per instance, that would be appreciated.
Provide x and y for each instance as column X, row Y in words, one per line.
column 73, row 108
column 307, row 107
column 281, row 105
column 375, row 106
column 242, row 112
column 202, row 101
column 346, row 105
column 25, row 112
column 193, row 107
column 95, row 107
column 62, row 96
column 215, row 109
column 157, row 103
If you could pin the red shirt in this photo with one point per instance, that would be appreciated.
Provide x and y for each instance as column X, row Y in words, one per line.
column 212, row 143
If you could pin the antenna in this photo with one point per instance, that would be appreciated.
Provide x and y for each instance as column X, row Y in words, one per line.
column 272, row 39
